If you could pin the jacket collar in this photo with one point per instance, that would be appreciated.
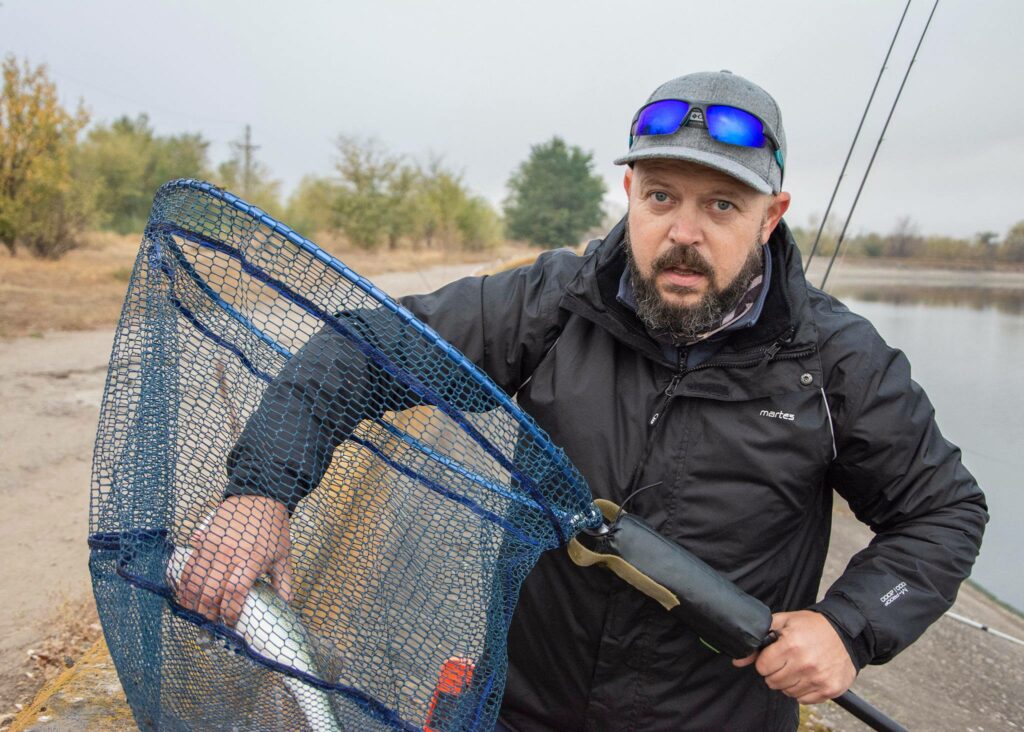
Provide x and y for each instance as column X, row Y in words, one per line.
column 783, row 321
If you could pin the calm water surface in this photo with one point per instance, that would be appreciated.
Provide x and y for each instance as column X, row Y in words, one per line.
column 966, row 348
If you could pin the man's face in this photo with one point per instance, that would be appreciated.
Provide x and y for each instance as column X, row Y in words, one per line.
column 694, row 238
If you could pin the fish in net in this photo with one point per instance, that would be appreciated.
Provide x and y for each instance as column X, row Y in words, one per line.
column 416, row 494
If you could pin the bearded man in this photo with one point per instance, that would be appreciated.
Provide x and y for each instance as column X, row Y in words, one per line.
column 685, row 353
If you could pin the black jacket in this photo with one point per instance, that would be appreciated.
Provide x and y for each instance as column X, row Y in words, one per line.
column 747, row 448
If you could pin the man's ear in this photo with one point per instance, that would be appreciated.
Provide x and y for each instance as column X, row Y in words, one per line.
column 775, row 211
column 627, row 179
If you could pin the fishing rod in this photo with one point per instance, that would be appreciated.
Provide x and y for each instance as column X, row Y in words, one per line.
column 878, row 144
column 856, row 136
column 725, row 618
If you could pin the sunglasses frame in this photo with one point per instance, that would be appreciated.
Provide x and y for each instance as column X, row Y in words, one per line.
column 766, row 129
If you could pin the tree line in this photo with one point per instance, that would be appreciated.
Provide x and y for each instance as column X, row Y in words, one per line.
column 904, row 241
column 60, row 178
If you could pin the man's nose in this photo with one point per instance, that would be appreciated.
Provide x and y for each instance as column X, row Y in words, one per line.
column 686, row 228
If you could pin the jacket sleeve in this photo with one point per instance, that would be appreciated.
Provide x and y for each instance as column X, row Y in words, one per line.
column 503, row 323
column 906, row 482
column 316, row 401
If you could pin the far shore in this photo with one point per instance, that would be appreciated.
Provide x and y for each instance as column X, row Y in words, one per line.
column 882, row 272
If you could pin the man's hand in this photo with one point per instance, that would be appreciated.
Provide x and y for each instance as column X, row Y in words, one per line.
column 246, row 537
column 808, row 662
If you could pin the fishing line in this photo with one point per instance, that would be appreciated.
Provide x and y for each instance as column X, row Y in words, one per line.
column 635, row 493
column 987, row 456
column 856, row 136
column 878, row 144
column 984, row 627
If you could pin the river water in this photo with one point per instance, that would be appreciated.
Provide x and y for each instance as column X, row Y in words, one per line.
column 966, row 348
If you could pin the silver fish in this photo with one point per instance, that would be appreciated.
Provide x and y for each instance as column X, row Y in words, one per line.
column 272, row 629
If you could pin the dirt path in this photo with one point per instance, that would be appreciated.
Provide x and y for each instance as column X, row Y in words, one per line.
column 50, row 392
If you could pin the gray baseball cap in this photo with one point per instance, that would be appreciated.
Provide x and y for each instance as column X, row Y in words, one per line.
column 755, row 166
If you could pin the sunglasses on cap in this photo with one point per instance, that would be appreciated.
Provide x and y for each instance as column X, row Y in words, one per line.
column 730, row 125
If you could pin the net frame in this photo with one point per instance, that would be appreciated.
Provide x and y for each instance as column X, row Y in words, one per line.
column 133, row 531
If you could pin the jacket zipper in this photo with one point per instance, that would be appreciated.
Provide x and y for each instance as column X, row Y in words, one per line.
column 770, row 353
column 669, row 392
column 652, row 423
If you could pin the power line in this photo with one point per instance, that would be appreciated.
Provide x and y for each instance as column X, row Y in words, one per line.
column 191, row 116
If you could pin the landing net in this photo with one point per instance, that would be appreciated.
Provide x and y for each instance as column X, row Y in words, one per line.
column 248, row 362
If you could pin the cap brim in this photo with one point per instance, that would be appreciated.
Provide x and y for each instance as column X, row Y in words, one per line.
column 709, row 159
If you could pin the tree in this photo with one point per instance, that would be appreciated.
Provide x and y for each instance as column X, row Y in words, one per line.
column 177, row 156
column 440, row 198
column 381, row 197
column 41, row 207
column 400, row 218
column 311, row 207
column 987, row 243
column 479, row 226
column 868, row 245
column 986, row 239
column 554, row 196
column 446, row 211
column 950, row 248
column 247, row 177
column 126, row 162
column 904, row 241
column 1012, row 248
column 114, row 157
column 363, row 204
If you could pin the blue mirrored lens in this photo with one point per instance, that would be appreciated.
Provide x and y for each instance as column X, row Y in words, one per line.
column 734, row 126
column 661, row 118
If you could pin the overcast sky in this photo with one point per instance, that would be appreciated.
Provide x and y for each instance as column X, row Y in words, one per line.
column 480, row 82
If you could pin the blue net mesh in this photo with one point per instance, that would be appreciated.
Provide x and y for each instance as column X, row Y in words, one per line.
column 249, row 363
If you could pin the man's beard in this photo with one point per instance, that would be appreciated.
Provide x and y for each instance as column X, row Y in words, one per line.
column 685, row 323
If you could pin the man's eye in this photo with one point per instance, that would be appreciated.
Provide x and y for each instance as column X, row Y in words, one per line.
column 721, row 205
column 660, row 196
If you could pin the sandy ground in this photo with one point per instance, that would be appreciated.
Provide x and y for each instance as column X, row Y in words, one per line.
column 955, row 678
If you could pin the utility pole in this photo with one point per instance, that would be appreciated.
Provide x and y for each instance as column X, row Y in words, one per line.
column 246, row 149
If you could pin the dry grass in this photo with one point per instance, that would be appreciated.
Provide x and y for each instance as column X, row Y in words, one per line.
column 407, row 259
column 74, row 628
column 67, row 634
column 810, row 723
column 82, row 290
column 85, row 288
